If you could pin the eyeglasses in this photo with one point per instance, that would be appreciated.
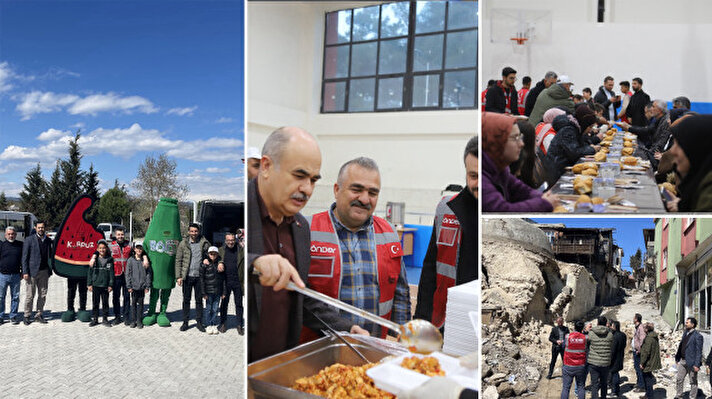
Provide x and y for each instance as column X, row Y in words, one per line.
column 519, row 137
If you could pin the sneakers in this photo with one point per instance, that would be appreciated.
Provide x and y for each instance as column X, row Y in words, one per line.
column 222, row 328
column 128, row 323
column 16, row 321
column 139, row 325
column 133, row 325
column 106, row 322
column 185, row 326
column 2, row 321
column 40, row 319
column 241, row 330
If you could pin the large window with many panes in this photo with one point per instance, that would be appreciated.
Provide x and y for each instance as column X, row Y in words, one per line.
column 403, row 56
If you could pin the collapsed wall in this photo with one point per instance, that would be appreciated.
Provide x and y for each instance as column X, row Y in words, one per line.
column 583, row 291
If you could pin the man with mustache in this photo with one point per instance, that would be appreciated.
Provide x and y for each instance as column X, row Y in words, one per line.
column 278, row 245
column 355, row 256
column 452, row 252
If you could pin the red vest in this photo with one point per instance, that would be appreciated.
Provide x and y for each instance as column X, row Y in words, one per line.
column 325, row 268
column 541, row 134
column 120, row 257
column 521, row 99
column 575, row 351
column 449, row 235
column 484, row 99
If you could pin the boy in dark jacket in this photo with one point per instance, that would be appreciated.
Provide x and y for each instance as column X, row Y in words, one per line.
column 138, row 282
column 212, row 283
column 100, row 279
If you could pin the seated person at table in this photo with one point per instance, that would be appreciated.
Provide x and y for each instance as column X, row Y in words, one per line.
column 693, row 162
column 528, row 168
column 655, row 135
column 544, row 131
column 502, row 192
column 568, row 145
column 592, row 136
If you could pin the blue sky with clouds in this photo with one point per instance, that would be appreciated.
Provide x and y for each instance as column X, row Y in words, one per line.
column 628, row 232
column 138, row 78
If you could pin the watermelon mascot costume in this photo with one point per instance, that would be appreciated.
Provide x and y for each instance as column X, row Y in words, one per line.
column 160, row 243
column 74, row 246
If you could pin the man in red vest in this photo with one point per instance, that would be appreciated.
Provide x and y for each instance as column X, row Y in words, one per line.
column 451, row 258
column 356, row 256
column 574, row 361
column 522, row 94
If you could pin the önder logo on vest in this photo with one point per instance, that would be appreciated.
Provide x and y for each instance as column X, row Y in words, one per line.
column 325, row 268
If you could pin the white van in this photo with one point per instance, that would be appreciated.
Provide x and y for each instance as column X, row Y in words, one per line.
column 109, row 228
column 23, row 222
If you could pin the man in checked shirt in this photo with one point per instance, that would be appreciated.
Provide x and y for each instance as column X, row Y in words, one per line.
column 356, row 256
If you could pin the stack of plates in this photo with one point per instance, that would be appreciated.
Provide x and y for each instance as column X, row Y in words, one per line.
column 462, row 314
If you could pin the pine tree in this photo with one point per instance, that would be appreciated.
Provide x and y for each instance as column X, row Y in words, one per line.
column 114, row 206
column 72, row 176
column 4, row 204
column 34, row 191
column 55, row 197
column 91, row 182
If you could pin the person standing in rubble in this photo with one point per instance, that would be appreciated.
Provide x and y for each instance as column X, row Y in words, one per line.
column 556, row 337
column 638, row 338
column 617, row 354
column 574, row 366
column 599, row 357
column 689, row 357
column 650, row 358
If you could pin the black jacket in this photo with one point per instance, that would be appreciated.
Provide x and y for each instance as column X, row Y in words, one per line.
column 602, row 98
column 566, row 148
column 11, row 257
column 554, row 336
column 636, row 108
column 302, row 242
column 618, row 351
column 495, row 100
column 531, row 97
column 655, row 135
column 465, row 208
column 212, row 281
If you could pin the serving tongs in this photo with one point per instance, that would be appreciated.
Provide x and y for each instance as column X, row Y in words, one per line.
column 333, row 332
column 417, row 335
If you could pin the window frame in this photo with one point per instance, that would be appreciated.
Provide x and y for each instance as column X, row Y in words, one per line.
column 409, row 74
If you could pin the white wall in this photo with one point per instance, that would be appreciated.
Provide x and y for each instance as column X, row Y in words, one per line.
column 419, row 153
column 665, row 43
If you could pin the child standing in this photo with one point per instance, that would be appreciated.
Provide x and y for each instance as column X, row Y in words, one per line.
column 138, row 281
column 100, row 279
column 212, row 283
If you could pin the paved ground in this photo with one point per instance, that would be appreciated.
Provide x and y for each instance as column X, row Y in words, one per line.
column 72, row 360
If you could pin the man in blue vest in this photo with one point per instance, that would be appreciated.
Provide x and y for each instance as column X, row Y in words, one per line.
column 356, row 256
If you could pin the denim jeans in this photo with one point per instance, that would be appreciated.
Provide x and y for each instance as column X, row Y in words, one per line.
column 638, row 371
column 616, row 382
column 582, row 387
column 13, row 282
column 210, row 312
column 569, row 373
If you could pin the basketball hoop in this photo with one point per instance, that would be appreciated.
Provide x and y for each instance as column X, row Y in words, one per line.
column 520, row 39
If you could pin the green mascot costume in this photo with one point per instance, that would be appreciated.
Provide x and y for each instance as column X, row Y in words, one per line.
column 161, row 242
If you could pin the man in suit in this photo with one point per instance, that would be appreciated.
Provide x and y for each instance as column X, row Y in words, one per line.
column 689, row 357
column 278, row 245
column 556, row 337
column 36, row 270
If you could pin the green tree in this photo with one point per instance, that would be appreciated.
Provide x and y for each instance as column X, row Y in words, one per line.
column 4, row 204
column 54, row 199
column 114, row 206
column 636, row 260
column 91, row 187
column 72, row 176
column 34, row 191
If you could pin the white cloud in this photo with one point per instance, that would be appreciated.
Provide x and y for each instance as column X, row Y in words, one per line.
column 182, row 111
column 223, row 120
column 52, row 134
column 124, row 143
column 96, row 103
column 78, row 125
column 37, row 102
column 212, row 170
column 6, row 75
column 202, row 187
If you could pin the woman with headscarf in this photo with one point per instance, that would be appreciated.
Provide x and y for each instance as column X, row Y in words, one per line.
column 545, row 131
column 501, row 191
column 693, row 163
column 568, row 145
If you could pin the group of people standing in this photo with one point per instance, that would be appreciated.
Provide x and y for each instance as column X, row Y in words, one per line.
column 561, row 127
column 124, row 269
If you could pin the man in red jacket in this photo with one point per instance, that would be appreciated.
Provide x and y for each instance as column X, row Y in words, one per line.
column 575, row 344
